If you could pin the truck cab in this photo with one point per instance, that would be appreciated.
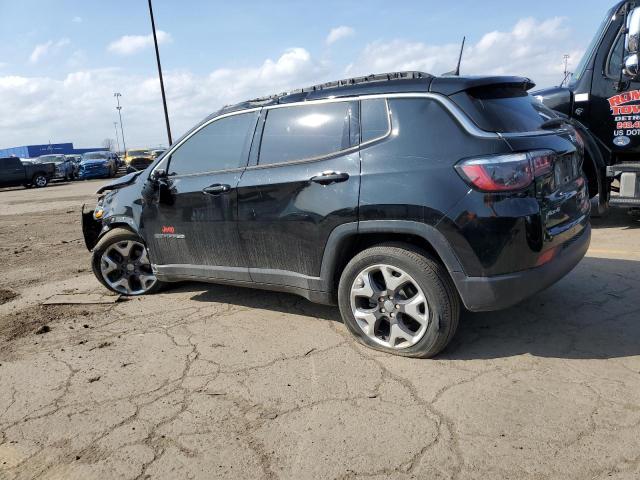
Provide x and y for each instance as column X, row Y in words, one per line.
column 602, row 100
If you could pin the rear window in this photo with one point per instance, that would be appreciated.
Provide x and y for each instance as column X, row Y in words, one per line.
column 504, row 110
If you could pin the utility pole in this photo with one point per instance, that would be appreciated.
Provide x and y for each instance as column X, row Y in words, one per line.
column 566, row 74
column 119, row 108
column 115, row 126
column 164, row 98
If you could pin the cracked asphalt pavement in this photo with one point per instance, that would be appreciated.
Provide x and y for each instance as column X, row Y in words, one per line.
column 205, row 381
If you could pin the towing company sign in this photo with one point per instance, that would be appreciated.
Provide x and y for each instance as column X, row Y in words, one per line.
column 626, row 113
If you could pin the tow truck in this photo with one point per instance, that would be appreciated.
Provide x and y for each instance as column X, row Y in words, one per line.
column 602, row 101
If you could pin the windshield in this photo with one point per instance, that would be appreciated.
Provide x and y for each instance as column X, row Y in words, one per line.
column 595, row 41
column 93, row 156
column 138, row 152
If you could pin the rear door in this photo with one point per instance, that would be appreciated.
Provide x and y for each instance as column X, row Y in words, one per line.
column 12, row 171
column 304, row 184
column 191, row 228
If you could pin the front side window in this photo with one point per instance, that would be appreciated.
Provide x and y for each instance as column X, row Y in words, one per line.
column 221, row 145
column 305, row 132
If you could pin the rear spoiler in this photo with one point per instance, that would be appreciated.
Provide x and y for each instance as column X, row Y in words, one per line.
column 452, row 85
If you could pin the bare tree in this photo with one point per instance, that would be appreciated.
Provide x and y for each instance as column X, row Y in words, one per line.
column 109, row 144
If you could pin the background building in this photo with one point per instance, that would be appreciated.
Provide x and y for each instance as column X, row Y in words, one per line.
column 32, row 151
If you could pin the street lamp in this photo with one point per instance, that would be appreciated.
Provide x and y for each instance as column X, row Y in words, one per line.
column 119, row 108
column 115, row 126
column 164, row 98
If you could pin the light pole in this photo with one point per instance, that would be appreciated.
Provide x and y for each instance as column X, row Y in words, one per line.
column 115, row 126
column 164, row 98
column 119, row 108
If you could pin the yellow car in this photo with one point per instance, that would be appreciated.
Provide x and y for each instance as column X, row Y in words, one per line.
column 138, row 159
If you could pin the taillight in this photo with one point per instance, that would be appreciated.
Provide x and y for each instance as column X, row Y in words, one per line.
column 505, row 173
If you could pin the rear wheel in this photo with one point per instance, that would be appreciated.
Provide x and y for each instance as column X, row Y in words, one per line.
column 120, row 262
column 39, row 180
column 399, row 300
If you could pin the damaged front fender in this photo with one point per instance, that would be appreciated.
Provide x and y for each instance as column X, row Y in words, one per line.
column 91, row 228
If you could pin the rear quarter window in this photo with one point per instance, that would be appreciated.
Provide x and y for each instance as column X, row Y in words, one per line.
column 503, row 110
column 374, row 119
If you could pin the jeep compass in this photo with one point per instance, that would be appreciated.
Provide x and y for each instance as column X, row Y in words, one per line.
column 399, row 197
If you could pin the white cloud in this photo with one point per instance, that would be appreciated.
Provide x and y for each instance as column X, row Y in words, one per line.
column 76, row 19
column 43, row 49
column 79, row 106
column 130, row 44
column 532, row 48
column 339, row 33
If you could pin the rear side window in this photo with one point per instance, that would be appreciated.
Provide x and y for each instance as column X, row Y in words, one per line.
column 221, row 145
column 504, row 110
column 374, row 119
column 305, row 132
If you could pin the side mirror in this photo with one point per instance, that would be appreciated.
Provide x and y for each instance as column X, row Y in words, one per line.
column 632, row 45
column 158, row 174
column 632, row 66
column 632, row 40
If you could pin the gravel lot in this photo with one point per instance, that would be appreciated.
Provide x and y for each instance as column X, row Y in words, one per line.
column 218, row 382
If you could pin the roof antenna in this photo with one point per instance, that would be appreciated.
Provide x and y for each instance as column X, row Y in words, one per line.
column 457, row 71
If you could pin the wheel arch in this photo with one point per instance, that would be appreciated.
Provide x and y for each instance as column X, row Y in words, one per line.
column 348, row 240
column 93, row 230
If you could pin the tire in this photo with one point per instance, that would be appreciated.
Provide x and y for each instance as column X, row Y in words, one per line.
column 112, row 244
column 425, row 279
column 39, row 180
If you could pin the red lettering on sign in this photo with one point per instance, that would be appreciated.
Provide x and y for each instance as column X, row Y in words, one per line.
column 626, row 97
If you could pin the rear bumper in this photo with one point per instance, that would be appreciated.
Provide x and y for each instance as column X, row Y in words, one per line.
column 483, row 294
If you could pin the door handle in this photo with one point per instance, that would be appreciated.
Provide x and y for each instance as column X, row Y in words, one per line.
column 217, row 189
column 327, row 178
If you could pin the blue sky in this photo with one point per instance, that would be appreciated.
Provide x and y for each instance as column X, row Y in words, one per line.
column 72, row 53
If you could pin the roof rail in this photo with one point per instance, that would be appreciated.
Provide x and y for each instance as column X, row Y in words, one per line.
column 378, row 77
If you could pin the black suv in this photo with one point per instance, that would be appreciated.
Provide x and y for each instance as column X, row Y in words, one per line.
column 400, row 197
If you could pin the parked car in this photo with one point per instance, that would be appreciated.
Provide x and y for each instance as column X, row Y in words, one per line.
column 119, row 161
column 64, row 166
column 156, row 153
column 138, row 159
column 382, row 194
column 97, row 165
column 75, row 160
column 15, row 172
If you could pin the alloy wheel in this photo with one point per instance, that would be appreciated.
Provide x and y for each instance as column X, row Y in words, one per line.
column 389, row 306
column 125, row 267
column 40, row 181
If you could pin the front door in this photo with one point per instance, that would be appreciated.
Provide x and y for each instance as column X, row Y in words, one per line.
column 191, row 225
column 11, row 171
column 614, row 113
column 305, row 184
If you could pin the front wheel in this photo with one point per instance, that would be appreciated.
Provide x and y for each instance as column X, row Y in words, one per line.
column 397, row 299
column 120, row 262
